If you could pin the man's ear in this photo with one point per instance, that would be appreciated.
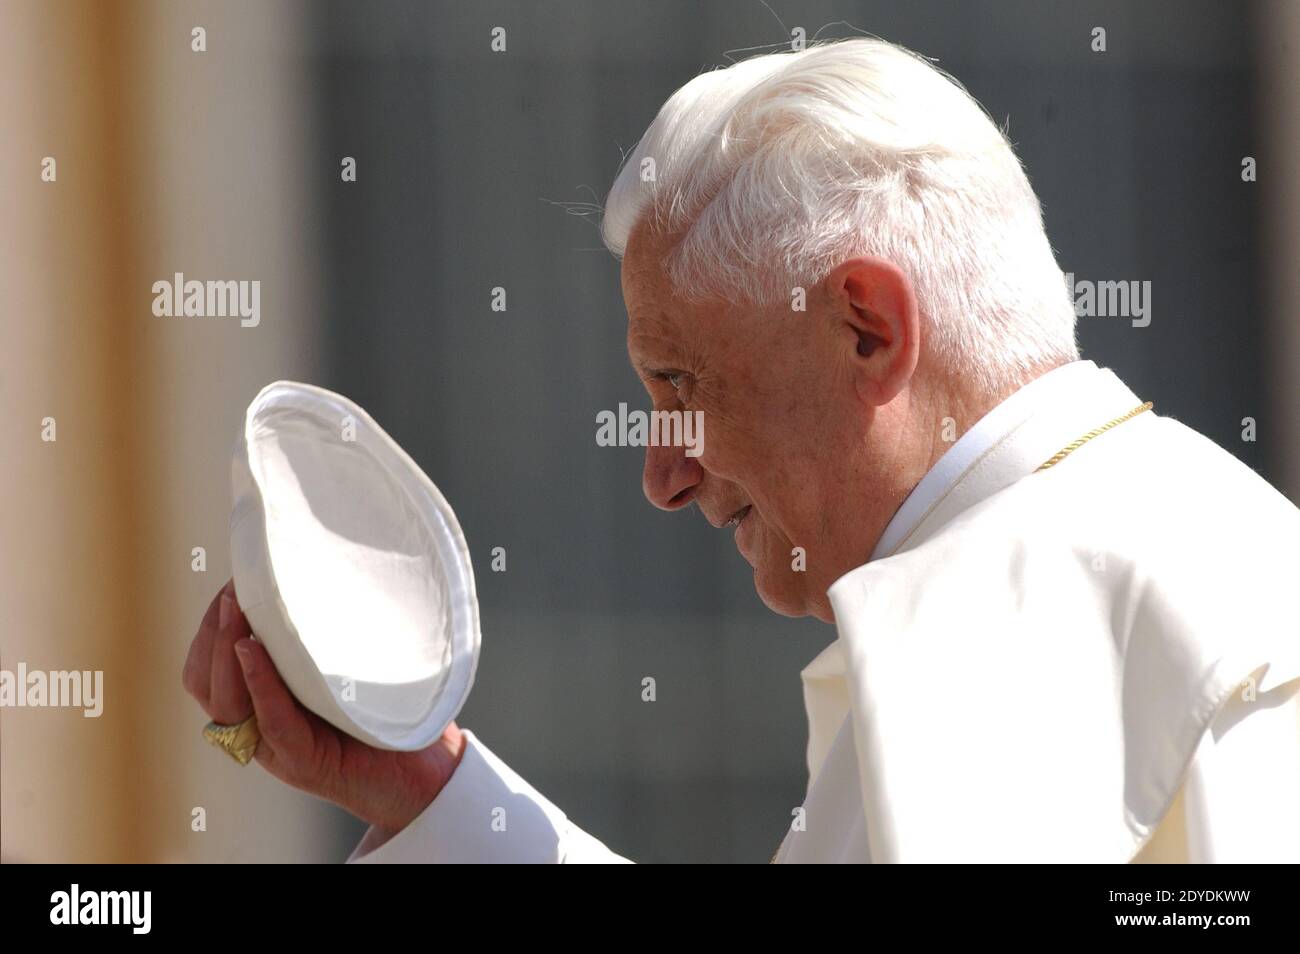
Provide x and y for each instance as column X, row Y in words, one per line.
column 876, row 304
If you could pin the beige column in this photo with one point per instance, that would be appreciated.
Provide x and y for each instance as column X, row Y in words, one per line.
column 168, row 160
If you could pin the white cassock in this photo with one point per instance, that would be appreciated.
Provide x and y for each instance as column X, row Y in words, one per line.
column 1098, row 662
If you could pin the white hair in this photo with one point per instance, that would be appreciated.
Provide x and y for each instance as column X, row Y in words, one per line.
column 778, row 168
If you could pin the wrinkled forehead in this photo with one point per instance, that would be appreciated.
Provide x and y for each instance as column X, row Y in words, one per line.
column 655, row 337
column 647, row 291
column 644, row 269
column 666, row 328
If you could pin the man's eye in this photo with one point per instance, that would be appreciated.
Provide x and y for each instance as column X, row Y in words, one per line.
column 679, row 381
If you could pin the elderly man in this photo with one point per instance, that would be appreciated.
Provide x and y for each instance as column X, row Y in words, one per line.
column 1064, row 624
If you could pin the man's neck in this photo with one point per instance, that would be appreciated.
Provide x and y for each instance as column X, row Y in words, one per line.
column 941, row 413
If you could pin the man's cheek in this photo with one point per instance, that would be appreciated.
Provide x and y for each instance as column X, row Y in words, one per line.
column 773, row 547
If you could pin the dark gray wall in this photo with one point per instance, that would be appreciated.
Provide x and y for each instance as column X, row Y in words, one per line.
column 463, row 154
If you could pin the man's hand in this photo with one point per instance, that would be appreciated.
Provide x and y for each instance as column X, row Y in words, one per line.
column 232, row 676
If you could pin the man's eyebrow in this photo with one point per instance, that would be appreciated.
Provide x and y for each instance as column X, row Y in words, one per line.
column 643, row 366
column 654, row 371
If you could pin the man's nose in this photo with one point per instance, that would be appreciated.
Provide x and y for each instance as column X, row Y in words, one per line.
column 671, row 479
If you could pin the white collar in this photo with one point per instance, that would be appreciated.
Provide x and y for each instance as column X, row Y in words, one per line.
column 975, row 443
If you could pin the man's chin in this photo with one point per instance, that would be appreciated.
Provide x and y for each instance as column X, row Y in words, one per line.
column 785, row 600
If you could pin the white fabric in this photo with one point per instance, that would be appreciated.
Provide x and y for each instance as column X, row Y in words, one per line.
column 351, row 568
column 972, row 706
column 486, row 813
column 1093, row 663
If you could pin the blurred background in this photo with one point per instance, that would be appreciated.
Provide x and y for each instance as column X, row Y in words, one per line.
column 225, row 164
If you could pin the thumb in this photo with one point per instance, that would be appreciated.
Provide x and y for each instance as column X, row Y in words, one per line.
column 288, row 743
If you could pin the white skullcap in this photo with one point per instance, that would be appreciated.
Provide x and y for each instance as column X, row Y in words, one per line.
column 351, row 569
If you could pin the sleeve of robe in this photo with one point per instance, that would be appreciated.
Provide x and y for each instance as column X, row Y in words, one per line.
column 486, row 814
column 1238, row 803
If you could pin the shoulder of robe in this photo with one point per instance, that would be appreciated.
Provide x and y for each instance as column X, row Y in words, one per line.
column 1159, row 525
column 1069, row 639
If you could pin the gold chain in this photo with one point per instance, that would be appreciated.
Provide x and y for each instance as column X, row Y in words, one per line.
column 1073, row 446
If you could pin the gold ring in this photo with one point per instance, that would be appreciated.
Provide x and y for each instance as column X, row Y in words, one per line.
column 239, row 741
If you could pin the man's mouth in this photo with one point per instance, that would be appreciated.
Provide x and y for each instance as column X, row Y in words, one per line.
column 739, row 515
